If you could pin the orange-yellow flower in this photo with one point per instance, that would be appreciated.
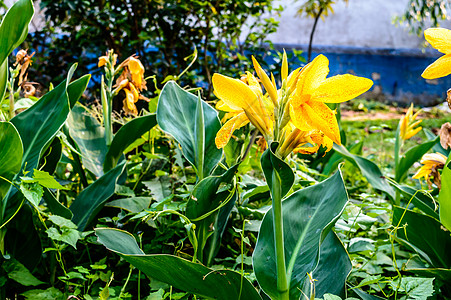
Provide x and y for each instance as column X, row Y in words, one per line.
column 293, row 115
column 440, row 39
column 407, row 124
column 313, row 90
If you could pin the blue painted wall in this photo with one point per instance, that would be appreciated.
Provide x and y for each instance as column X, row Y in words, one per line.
column 396, row 72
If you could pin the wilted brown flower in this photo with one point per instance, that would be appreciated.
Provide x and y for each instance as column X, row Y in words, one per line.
column 445, row 135
column 23, row 61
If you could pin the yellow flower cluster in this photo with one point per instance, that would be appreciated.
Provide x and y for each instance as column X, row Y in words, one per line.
column 431, row 162
column 296, row 114
column 408, row 124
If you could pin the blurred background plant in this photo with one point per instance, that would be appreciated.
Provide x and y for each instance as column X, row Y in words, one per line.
column 162, row 33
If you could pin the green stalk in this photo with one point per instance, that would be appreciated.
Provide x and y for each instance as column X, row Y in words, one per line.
column 106, row 109
column 398, row 145
column 199, row 129
column 282, row 283
column 11, row 97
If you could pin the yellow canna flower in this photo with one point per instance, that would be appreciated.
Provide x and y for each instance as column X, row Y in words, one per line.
column 293, row 115
column 407, row 124
column 313, row 90
column 432, row 162
column 440, row 39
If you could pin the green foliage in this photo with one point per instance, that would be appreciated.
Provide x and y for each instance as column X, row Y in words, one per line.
column 221, row 30
column 419, row 13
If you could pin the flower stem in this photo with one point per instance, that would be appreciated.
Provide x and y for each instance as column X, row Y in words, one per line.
column 282, row 283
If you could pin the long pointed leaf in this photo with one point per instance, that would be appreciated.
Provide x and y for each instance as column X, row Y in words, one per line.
column 176, row 115
column 308, row 215
column 11, row 151
column 178, row 272
column 89, row 202
column 125, row 136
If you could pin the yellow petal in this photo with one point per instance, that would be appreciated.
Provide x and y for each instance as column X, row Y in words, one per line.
column 221, row 105
column 270, row 88
column 439, row 38
column 129, row 102
column 439, row 68
column 137, row 71
column 134, row 92
column 312, row 75
column 102, row 61
column 341, row 88
column 235, row 93
column 319, row 116
column 225, row 133
column 434, row 157
column 422, row 172
column 412, row 132
column 284, row 71
column 297, row 117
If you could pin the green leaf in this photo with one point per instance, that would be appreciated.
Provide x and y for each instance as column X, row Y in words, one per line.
column 62, row 222
column 14, row 27
column 65, row 235
column 308, row 216
column 47, row 180
column 414, row 287
column 40, row 123
column 276, row 170
column 51, row 156
column 412, row 155
column 177, row 115
column 89, row 202
column 132, row 204
column 125, row 136
column 89, row 135
column 178, row 272
column 19, row 273
column 55, row 206
column 11, row 152
column 33, row 192
column 444, row 197
column 425, row 235
column 48, row 294
column 13, row 31
column 202, row 208
column 22, row 240
column 369, row 169
column 333, row 267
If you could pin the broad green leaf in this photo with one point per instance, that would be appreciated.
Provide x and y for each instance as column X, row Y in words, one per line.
column 22, row 240
column 11, row 152
column 14, row 27
column 56, row 207
column 125, row 136
column 425, row 235
column 51, row 156
column 333, row 267
column 412, row 155
column 13, row 31
column 89, row 135
column 178, row 272
column 91, row 200
column 132, row 204
column 40, row 123
column 276, row 170
column 177, row 115
column 444, row 197
column 48, row 294
column 65, row 235
column 19, row 273
column 437, row 273
column 308, row 216
column 369, row 169
column 202, row 207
